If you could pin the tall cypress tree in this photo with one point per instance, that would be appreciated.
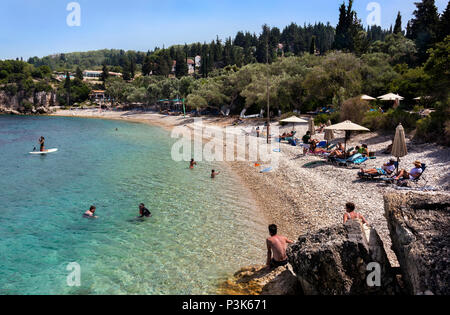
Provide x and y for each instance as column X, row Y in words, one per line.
column 67, row 86
column 398, row 24
column 424, row 27
column 444, row 24
column 348, row 28
column 105, row 74
column 312, row 47
column 181, row 67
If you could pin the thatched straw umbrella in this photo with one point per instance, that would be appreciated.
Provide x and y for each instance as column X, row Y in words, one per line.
column 329, row 134
column 347, row 126
column 399, row 149
column 294, row 120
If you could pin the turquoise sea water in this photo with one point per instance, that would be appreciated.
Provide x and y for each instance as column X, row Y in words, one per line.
column 201, row 231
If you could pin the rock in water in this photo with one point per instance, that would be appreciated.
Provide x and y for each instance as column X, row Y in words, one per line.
column 335, row 261
column 261, row 280
column 419, row 225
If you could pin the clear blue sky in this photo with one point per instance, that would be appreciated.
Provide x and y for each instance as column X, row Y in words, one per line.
column 38, row 27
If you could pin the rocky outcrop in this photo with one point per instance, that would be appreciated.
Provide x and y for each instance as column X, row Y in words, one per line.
column 261, row 280
column 338, row 261
column 38, row 103
column 419, row 225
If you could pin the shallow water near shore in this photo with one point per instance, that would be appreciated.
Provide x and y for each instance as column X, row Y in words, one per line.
column 201, row 231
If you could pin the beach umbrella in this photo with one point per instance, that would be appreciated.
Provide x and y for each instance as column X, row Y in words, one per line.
column 329, row 134
column 399, row 148
column 294, row 120
column 391, row 97
column 367, row 98
column 312, row 127
column 346, row 126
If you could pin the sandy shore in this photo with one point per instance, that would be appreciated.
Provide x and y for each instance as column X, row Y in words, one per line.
column 300, row 198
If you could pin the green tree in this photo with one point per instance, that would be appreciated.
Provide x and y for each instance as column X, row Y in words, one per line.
column 181, row 67
column 312, row 46
column 424, row 26
column 398, row 24
column 105, row 74
column 67, row 87
column 438, row 68
column 444, row 24
column 79, row 74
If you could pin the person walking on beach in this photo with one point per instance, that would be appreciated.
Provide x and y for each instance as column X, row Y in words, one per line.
column 90, row 213
column 193, row 164
column 214, row 174
column 42, row 144
column 144, row 212
column 352, row 215
column 276, row 248
column 258, row 132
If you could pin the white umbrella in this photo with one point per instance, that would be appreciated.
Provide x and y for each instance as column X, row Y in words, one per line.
column 367, row 98
column 294, row 120
column 347, row 126
column 391, row 97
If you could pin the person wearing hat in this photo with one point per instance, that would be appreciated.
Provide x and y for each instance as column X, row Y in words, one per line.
column 413, row 174
column 387, row 169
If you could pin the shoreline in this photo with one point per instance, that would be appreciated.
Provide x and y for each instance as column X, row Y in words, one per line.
column 300, row 198
column 244, row 171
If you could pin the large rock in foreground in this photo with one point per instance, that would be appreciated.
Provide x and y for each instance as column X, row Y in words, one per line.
column 419, row 224
column 335, row 261
column 261, row 280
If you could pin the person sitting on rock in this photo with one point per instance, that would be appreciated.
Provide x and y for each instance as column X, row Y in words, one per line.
column 352, row 215
column 276, row 248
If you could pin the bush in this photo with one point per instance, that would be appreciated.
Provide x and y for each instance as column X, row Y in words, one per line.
column 394, row 117
column 436, row 127
column 27, row 106
column 354, row 109
column 324, row 118
column 374, row 120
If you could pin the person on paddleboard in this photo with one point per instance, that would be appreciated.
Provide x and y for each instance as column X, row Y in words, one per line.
column 42, row 144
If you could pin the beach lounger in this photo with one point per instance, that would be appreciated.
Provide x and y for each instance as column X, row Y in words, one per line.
column 382, row 175
column 355, row 160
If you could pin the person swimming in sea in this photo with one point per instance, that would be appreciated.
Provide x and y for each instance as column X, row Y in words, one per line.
column 193, row 164
column 144, row 212
column 90, row 213
column 214, row 174
column 42, row 144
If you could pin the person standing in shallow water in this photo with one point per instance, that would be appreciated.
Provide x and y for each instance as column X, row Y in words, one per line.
column 276, row 248
column 214, row 174
column 144, row 212
column 192, row 164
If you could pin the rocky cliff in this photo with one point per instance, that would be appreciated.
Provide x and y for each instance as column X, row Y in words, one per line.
column 339, row 260
column 38, row 103
column 350, row 259
column 419, row 225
